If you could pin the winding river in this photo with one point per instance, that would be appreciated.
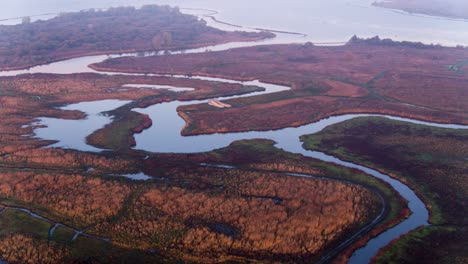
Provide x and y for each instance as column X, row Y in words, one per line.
column 164, row 136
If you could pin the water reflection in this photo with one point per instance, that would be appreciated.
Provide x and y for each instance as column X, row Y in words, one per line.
column 72, row 133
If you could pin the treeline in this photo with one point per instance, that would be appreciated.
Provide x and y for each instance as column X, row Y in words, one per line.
column 389, row 42
column 59, row 158
column 123, row 29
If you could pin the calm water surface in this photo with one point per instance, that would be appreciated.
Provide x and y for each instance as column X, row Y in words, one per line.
column 321, row 20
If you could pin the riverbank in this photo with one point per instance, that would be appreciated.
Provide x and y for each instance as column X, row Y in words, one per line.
column 381, row 72
column 150, row 28
column 270, row 197
column 431, row 163
column 247, row 192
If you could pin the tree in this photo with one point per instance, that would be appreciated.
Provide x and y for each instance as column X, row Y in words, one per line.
column 26, row 20
column 167, row 39
column 162, row 40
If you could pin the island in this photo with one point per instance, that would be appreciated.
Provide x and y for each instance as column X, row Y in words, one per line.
column 364, row 76
column 92, row 32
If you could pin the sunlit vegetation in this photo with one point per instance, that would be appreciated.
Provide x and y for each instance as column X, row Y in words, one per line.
column 24, row 239
column 325, row 81
column 75, row 199
column 191, row 210
column 261, row 155
column 39, row 89
column 18, row 248
column 431, row 160
column 64, row 159
column 20, row 240
column 213, row 213
column 199, row 213
column 151, row 28
column 28, row 97
column 60, row 89
column 296, row 222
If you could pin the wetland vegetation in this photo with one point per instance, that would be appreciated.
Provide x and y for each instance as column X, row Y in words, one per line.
column 250, row 201
column 431, row 160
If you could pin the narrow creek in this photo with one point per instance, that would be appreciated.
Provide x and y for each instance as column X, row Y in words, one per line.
column 164, row 136
column 55, row 225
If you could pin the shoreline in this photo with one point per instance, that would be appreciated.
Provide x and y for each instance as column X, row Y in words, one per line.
column 390, row 6
column 335, row 114
column 208, row 75
column 122, row 52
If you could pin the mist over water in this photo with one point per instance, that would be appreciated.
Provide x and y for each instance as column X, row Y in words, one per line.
column 321, row 20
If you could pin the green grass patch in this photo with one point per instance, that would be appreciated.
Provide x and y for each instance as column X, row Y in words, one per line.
column 14, row 221
column 432, row 244
column 62, row 235
column 118, row 134
column 41, row 210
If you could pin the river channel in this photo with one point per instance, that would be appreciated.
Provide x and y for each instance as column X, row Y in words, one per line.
column 164, row 136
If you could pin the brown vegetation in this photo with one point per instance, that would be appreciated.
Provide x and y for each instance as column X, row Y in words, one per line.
column 65, row 159
column 440, row 92
column 430, row 160
column 424, row 156
column 260, row 155
column 296, row 112
column 72, row 88
column 259, row 215
column 70, row 35
column 193, row 212
column 260, row 198
column 18, row 248
column 26, row 97
column 345, row 89
column 205, row 213
column 70, row 198
column 325, row 81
